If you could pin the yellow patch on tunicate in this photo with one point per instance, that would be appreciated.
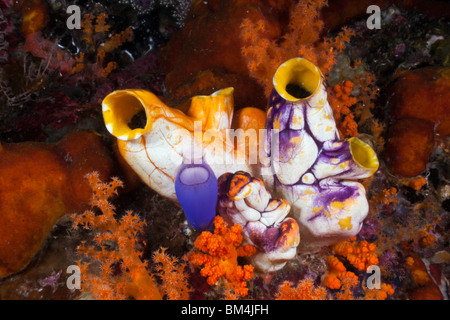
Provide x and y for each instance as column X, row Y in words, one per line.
column 297, row 120
column 247, row 193
column 346, row 223
column 335, row 160
column 309, row 192
column 276, row 124
column 296, row 140
column 317, row 209
column 329, row 128
column 337, row 205
column 344, row 164
column 307, row 179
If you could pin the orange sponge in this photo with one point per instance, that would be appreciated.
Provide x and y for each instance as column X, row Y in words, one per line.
column 39, row 183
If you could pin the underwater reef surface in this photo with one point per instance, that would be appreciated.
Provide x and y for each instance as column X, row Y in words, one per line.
column 388, row 87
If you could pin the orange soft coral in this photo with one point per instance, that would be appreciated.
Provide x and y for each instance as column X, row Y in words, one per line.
column 337, row 273
column 368, row 92
column 134, row 279
column 339, row 278
column 205, row 55
column 94, row 33
column 218, row 253
column 305, row 290
column 379, row 294
column 171, row 271
column 361, row 255
column 384, row 197
column 303, row 38
column 427, row 240
column 341, row 101
column 346, row 289
column 417, row 183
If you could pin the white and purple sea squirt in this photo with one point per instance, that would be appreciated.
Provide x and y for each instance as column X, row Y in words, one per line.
column 314, row 170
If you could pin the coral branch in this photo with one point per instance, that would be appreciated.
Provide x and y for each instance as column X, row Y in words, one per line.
column 171, row 271
column 341, row 101
column 94, row 33
column 133, row 280
column 305, row 290
column 302, row 39
column 218, row 253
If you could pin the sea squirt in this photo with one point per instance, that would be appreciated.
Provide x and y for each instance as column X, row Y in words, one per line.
column 312, row 167
column 196, row 189
column 301, row 158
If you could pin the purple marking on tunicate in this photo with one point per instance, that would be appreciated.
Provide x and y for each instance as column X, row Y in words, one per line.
column 343, row 193
column 342, row 154
column 265, row 240
column 224, row 183
column 288, row 149
column 281, row 110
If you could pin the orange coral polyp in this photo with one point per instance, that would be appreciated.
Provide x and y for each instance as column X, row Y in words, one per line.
column 360, row 255
column 91, row 30
column 341, row 101
column 305, row 290
column 218, row 256
column 379, row 294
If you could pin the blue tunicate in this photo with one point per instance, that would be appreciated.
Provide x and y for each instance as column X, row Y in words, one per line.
column 196, row 189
